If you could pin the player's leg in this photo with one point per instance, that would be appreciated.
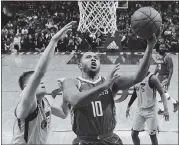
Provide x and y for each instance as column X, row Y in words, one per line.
column 173, row 101
column 163, row 80
column 135, row 137
column 169, row 97
column 152, row 124
column 138, row 125
column 154, row 139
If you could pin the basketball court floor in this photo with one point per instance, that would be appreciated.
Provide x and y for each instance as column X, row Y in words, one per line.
column 64, row 66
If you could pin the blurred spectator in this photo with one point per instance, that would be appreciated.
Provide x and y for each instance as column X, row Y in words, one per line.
column 24, row 30
column 25, row 43
column 71, row 42
column 38, row 23
column 17, row 42
column 3, row 41
column 93, row 36
column 4, row 31
column 8, row 45
column 98, row 38
column 77, row 41
column 31, row 43
column 9, row 25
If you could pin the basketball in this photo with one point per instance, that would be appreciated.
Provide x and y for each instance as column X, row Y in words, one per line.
column 146, row 21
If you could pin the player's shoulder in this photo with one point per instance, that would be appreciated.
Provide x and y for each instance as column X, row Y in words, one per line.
column 152, row 79
column 69, row 82
column 168, row 57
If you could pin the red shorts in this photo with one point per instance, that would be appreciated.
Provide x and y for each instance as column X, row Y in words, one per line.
column 163, row 79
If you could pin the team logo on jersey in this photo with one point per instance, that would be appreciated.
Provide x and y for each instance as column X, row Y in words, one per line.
column 105, row 92
column 43, row 124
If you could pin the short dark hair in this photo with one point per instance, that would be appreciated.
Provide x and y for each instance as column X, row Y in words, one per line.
column 84, row 53
column 23, row 78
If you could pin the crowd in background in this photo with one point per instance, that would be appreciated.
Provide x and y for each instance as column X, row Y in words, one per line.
column 32, row 25
column 170, row 18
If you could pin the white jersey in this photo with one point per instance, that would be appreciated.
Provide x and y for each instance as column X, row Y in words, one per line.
column 145, row 94
column 35, row 128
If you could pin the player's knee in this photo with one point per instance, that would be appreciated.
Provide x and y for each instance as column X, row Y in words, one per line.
column 153, row 133
column 134, row 134
column 153, row 136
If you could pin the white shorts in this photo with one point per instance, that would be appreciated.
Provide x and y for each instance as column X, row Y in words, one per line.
column 149, row 116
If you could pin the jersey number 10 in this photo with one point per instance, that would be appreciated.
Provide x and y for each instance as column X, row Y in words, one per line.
column 97, row 108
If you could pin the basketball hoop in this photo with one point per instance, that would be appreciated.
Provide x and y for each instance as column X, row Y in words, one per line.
column 97, row 16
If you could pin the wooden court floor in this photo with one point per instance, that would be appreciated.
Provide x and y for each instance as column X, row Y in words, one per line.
column 13, row 65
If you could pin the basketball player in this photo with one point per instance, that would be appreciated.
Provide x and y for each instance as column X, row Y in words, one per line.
column 33, row 112
column 146, row 111
column 165, row 71
column 92, row 98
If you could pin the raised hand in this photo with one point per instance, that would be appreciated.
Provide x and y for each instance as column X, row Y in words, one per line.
column 166, row 115
column 112, row 76
column 56, row 92
column 63, row 31
column 59, row 81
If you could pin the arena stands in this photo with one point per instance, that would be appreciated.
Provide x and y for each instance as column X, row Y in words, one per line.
column 33, row 23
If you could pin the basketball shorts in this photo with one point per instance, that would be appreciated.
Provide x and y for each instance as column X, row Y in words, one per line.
column 163, row 79
column 112, row 139
column 149, row 116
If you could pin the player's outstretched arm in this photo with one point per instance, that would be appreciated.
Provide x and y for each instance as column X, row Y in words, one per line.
column 60, row 110
column 124, row 95
column 133, row 97
column 154, row 82
column 156, row 70
column 169, row 62
column 126, row 81
column 28, row 99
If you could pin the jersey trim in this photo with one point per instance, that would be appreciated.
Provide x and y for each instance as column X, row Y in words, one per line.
column 46, row 101
column 31, row 117
column 82, row 79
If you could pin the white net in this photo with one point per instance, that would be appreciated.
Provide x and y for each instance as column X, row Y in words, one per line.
column 97, row 16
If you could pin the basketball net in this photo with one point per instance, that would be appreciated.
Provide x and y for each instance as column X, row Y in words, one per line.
column 97, row 16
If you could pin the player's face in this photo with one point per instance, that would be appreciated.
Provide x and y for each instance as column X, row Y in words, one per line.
column 41, row 90
column 162, row 49
column 90, row 62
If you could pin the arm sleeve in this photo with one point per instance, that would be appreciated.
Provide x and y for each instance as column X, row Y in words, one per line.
column 133, row 97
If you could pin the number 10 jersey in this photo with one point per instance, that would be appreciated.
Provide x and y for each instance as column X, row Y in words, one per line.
column 96, row 117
